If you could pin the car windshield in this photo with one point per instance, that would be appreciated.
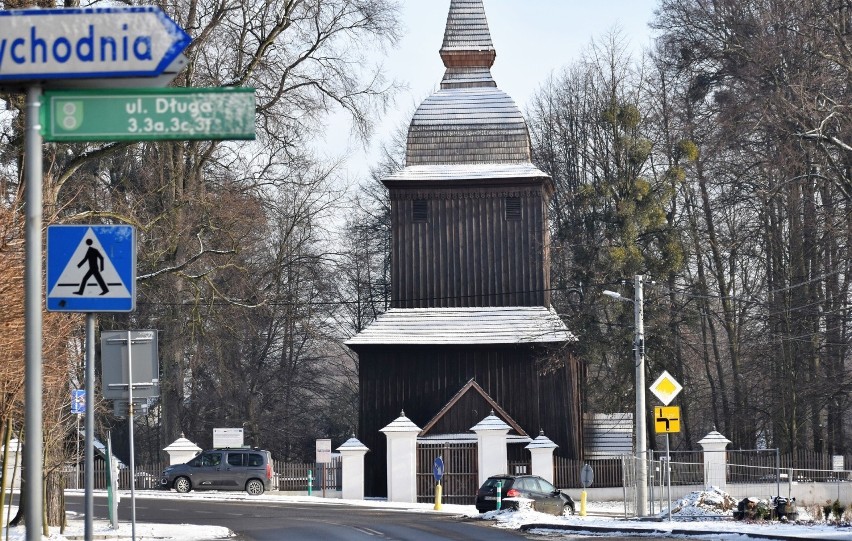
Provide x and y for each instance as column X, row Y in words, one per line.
column 545, row 486
column 211, row 459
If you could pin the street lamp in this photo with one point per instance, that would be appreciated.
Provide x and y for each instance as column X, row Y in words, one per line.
column 639, row 353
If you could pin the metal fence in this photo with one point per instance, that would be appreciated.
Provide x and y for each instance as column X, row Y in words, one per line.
column 608, row 472
column 765, row 476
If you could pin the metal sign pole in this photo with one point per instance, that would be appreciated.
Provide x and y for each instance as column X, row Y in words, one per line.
column 32, row 318
column 89, row 505
column 641, row 435
column 669, row 476
column 77, row 457
column 130, row 422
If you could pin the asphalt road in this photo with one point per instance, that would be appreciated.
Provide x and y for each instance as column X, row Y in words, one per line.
column 272, row 521
column 268, row 521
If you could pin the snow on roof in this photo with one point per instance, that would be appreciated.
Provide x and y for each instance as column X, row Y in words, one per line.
column 478, row 171
column 542, row 442
column 492, row 422
column 456, row 326
column 353, row 444
column 401, row 424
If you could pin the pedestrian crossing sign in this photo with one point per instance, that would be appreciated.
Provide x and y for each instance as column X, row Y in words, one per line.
column 91, row 268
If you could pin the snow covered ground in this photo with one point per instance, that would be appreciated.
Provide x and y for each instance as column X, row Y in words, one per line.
column 691, row 514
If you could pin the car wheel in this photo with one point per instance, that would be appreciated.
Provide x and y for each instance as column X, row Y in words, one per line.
column 254, row 487
column 567, row 510
column 183, row 485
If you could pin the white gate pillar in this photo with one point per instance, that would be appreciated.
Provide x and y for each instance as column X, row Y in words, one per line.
column 181, row 451
column 715, row 460
column 541, row 456
column 402, row 459
column 352, row 462
column 491, row 446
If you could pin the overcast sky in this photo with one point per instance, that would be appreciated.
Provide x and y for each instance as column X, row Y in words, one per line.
column 533, row 38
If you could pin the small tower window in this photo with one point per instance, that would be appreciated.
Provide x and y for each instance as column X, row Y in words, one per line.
column 420, row 210
column 513, row 208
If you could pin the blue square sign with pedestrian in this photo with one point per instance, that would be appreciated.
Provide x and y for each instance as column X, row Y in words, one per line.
column 91, row 268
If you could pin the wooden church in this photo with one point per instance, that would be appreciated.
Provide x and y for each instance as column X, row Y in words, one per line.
column 470, row 271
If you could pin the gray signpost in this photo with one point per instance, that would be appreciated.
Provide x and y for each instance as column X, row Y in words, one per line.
column 117, row 361
column 125, row 381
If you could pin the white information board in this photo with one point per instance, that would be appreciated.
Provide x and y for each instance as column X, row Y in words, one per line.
column 324, row 451
column 227, row 437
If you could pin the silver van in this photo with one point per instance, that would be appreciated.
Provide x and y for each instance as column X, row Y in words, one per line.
column 222, row 469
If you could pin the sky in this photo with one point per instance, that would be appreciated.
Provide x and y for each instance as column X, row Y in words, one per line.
column 533, row 39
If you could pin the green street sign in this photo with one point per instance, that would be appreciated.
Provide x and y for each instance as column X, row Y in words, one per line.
column 148, row 114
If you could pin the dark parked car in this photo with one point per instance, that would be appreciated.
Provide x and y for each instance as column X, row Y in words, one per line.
column 546, row 497
column 222, row 469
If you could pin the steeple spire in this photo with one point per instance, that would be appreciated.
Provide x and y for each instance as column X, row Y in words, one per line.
column 467, row 51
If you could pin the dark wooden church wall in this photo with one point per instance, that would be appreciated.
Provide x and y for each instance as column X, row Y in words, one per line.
column 466, row 252
column 421, row 379
column 564, row 383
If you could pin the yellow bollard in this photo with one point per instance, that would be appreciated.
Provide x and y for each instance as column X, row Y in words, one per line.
column 583, row 504
column 438, row 493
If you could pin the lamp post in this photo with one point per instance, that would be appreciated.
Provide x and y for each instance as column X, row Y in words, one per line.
column 639, row 355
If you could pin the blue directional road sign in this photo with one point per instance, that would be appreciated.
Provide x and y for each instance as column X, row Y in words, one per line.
column 91, row 268
column 38, row 44
column 438, row 469
column 78, row 401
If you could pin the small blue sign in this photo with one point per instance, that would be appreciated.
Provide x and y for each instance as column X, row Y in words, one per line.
column 91, row 268
column 78, row 401
column 438, row 469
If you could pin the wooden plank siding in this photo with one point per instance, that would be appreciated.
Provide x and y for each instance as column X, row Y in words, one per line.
column 421, row 379
column 466, row 253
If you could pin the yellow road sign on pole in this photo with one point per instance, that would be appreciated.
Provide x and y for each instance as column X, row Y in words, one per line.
column 666, row 419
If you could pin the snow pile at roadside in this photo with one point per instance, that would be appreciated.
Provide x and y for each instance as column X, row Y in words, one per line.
column 511, row 519
column 711, row 502
column 103, row 529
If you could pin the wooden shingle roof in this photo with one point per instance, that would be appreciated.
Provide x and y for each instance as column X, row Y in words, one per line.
column 458, row 326
column 468, row 125
column 469, row 121
column 467, row 27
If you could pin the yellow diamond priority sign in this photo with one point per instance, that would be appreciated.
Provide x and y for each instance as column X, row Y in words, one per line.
column 666, row 388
